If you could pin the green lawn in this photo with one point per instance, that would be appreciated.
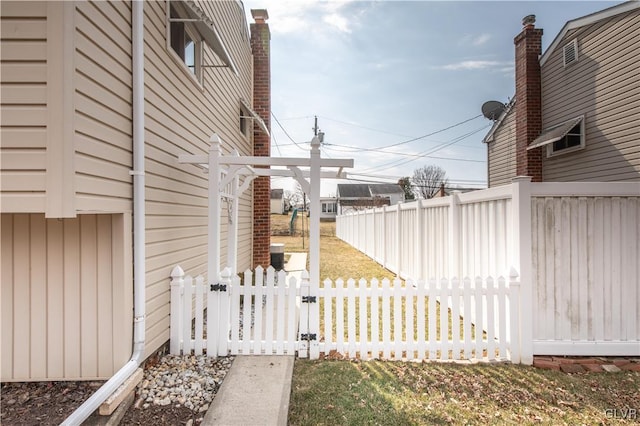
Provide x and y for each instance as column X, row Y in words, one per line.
column 332, row 392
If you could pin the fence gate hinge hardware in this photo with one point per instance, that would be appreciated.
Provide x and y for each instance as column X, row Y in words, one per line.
column 308, row 336
column 309, row 299
column 218, row 287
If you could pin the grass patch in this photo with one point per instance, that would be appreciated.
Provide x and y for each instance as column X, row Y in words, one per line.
column 330, row 392
column 375, row 392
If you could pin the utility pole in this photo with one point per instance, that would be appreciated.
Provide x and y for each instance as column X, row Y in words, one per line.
column 315, row 126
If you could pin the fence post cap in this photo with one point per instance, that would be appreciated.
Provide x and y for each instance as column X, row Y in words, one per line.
column 513, row 273
column 226, row 272
column 177, row 272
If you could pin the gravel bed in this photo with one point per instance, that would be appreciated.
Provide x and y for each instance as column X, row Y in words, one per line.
column 189, row 381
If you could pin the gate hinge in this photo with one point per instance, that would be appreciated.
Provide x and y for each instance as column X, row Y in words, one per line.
column 308, row 336
column 218, row 287
column 308, row 299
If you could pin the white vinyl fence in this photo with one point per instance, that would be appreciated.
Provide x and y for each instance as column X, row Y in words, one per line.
column 275, row 314
column 575, row 245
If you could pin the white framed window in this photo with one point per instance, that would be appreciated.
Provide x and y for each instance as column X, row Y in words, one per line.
column 573, row 140
column 565, row 137
column 185, row 42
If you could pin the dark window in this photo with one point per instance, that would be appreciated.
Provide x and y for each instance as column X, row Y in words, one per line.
column 182, row 43
column 571, row 139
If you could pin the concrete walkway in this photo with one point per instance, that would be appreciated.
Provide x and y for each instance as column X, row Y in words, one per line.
column 257, row 388
column 255, row 391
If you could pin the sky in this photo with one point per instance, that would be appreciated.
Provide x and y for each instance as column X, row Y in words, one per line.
column 396, row 85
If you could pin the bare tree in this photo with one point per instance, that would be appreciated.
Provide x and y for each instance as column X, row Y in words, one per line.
column 292, row 199
column 407, row 187
column 428, row 179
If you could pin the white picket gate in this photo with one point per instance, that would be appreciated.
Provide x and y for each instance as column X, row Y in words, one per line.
column 275, row 314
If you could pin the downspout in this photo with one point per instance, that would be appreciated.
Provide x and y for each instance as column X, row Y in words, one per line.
column 94, row 402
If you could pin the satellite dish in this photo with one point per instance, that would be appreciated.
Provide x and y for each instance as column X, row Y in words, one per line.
column 492, row 109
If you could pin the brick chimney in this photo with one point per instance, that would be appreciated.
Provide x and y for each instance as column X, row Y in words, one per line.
column 260, row 47
column 528, row 99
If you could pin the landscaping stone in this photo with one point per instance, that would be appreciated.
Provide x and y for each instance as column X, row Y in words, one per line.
column 632, row 366
column 546, row 364
column 593, row 368
column 610, row 368
column 571, row 368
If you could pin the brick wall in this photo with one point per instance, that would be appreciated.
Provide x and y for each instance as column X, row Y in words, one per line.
column 260, row 46
column 528, row 101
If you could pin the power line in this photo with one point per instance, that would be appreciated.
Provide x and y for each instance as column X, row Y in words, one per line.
column 276, row 144
column 397, row 163
column 364, row 127
column 286, row 133
column 432, row 133
column 405, row 154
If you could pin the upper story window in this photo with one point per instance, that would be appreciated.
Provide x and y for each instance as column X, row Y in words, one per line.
column 185, row 43
column 189, row 29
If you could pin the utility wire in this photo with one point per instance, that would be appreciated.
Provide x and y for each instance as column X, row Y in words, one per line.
column 396, row 163
column 286, row 133
column 405, row 154
column 432, row 133
column 275, row 142
column 363, row 127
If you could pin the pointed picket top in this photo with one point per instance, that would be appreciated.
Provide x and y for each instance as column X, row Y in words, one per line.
column 259, row 270
column 305, row 274
column 177, row 272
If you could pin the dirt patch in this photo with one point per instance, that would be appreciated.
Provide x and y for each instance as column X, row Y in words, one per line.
column 42, row 403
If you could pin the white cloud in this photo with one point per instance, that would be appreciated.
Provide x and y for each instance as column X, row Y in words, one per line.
column 338, row 21
column 474, row 39
column 481, row 39
column 474, row 65
column 287, row 16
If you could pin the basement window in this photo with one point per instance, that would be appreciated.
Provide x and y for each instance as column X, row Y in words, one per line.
column 570, row 53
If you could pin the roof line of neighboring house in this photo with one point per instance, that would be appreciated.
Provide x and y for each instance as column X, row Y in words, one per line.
column 498, row 122
column 570, row 25
column 587, row 20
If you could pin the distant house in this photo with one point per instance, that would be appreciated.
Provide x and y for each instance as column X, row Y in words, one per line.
column 361, row 196
column 575, row 114
column 278, row 203
column 328, row 208
column 75, row 113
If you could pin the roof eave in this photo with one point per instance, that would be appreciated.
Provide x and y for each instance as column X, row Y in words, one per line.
column 588, row 20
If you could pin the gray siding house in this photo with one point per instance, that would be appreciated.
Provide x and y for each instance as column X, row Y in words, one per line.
column 68, row 170
column 576, row 112
column 359, row 196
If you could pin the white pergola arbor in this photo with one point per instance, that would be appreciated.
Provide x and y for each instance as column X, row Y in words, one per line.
column 226, row 182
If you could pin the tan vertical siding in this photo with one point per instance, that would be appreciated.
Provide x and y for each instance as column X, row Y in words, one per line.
column 24, row 99
column 604, row 86
column 180, row 117
column 502, row 151
column 66, row 296
column 63, row 282
column 103, row 95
